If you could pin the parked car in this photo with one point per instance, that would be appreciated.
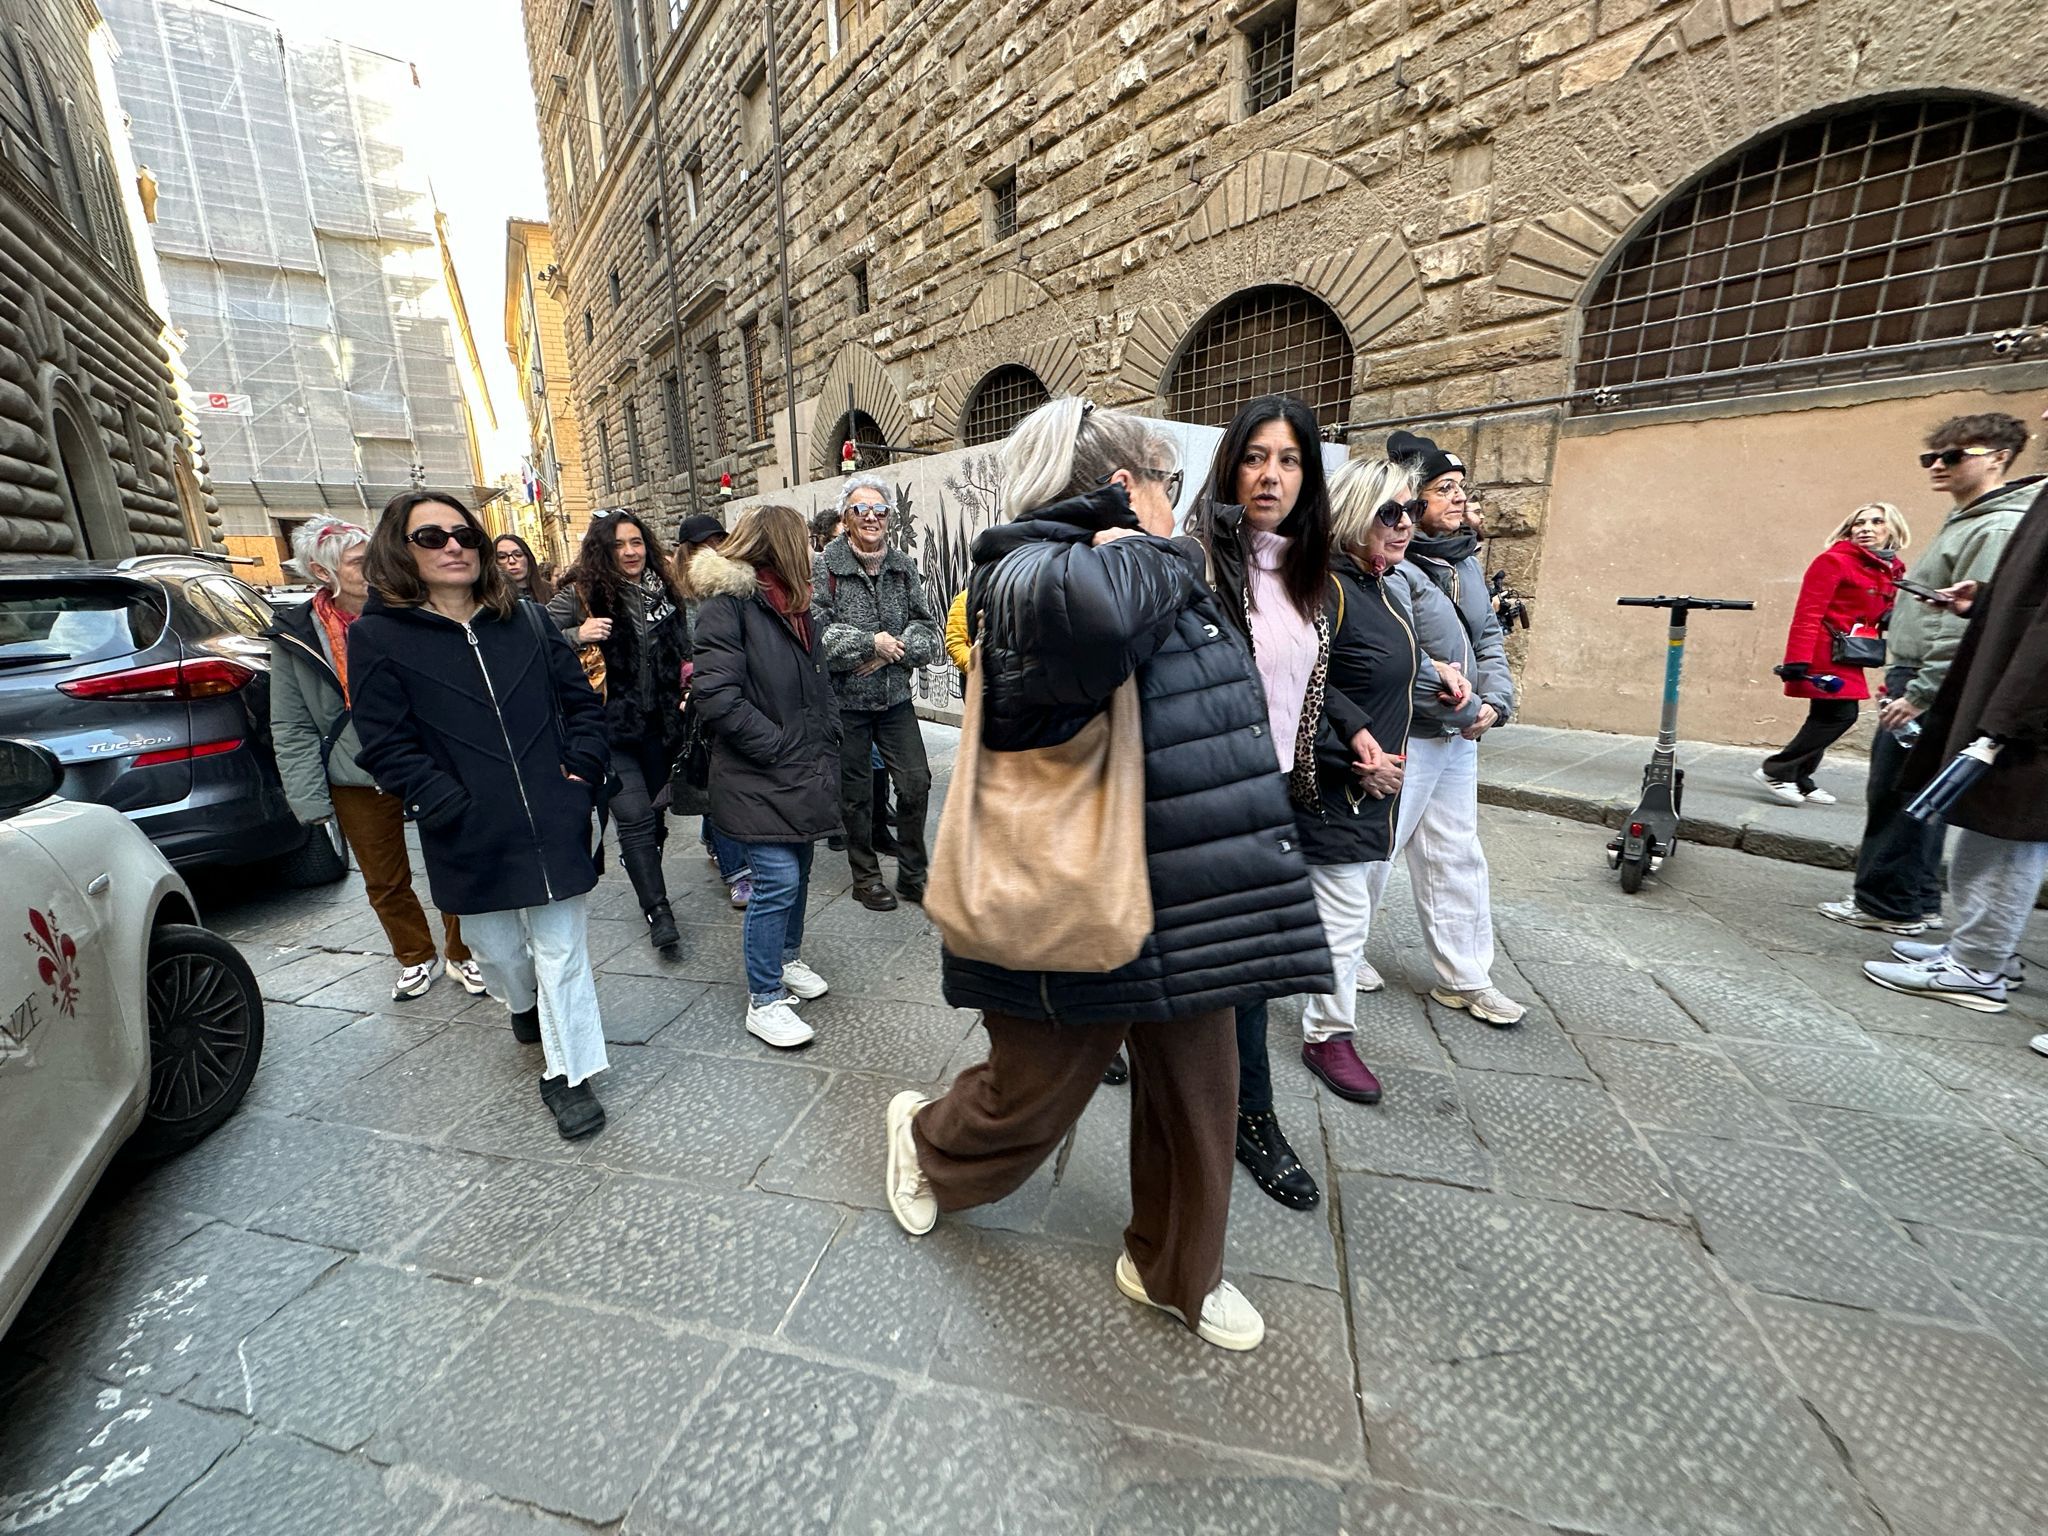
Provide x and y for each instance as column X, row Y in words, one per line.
column 150, row 681
column 123, row 1023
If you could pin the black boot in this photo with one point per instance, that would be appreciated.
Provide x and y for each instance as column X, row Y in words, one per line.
column 576, row 1110
column 643, row 868
column 661, row 926
column 526, row 1026
column 1262, row 1147
column 884, row 840
column 1118, row 1071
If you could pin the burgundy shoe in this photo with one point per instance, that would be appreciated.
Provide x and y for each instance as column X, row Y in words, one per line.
column 1336, row 1062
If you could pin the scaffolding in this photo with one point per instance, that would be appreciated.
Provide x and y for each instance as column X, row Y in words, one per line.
column 296, row 229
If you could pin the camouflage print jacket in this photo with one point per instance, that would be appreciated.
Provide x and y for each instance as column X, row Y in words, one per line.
column 850, row 607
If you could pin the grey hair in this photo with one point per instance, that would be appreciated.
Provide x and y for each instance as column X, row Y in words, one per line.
column 866, row 483
column 324, row 539
column 1358, row 490
column 1071, row 445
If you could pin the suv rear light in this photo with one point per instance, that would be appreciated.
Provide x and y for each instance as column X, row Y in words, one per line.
column 203, row 679
column 181, row 754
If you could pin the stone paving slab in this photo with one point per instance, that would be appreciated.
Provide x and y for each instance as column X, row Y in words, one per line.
column 1607, row 999
column 1933, row 1172
column 492, row 1227
column 510, row 1119
column 1877, row 1083
column 374, row 1197
column 1760, row 1003
column 1536, row 1045
column 2006, row 1278
column 709, row 1119
column 1679, row 1088
column 360, row 1047
column 1419, row 1130
column 1564, row 1141
column 271, row 1481
column 880, row 1296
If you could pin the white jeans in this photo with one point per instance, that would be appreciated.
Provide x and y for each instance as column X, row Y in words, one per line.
column 542, row 954
column 1344, row 901
column 1438, row 826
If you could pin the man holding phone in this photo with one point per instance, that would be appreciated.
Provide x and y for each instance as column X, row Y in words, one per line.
column 1898, row 866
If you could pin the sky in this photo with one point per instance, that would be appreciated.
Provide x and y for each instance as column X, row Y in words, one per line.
column 484, row 154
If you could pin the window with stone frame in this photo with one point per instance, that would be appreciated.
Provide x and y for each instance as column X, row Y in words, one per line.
column 632, row 47
column 20, row 118
column 693, row 172
column 593, row 117
column 844, row 19
column 1268, row 59
column 1892, row 239
column 709, row 369
column 589, row 328
column 1002, row 206
column 755, row 128
column 1005, row 397
column 604, row 457
column 870, row 445
column 650, row 230
column 677, row 10
column 636, row 459
column 857, row 276
column 1270, row 340
column 672, row 421
column 757, row 383
column 614, row 287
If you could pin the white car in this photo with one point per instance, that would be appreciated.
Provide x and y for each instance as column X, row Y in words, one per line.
column 122, row 1022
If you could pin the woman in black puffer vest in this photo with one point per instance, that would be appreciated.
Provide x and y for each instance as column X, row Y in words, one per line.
column 620, row 597
column 1082, row 589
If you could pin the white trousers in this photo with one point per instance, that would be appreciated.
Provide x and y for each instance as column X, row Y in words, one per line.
column 1438, row 827
column 542, row 954
column 1344, row 901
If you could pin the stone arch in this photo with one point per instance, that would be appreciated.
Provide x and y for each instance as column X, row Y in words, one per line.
column 858, row 369
column 1258, row 187
column 1055, row 359
column 86, row 481
column 1008, row 293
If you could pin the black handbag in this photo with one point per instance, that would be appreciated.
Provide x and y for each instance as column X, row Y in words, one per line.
column 1847, row 648
column 689, row 778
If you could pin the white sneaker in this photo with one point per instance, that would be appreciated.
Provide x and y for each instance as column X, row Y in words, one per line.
column 778, row 1024
column 2038, row 1045
column 1818, row 796
column 1369, row 980
column 804, row 982
column 1229, row 1320
column 2014, row 975
column 470, row 974
column 415, row 979
column 1932, row 922
column 1848, row 912
column 1488, row 1004
column 1942, row 980
column 1779, row 789
column 911, row 1200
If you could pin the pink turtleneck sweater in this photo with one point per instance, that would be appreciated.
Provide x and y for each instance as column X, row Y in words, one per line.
column 1282, row 640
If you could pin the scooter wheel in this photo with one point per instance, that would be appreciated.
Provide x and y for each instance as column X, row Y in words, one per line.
column 1633, row 870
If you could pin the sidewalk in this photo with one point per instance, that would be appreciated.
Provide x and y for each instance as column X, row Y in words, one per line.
column 1591, row 776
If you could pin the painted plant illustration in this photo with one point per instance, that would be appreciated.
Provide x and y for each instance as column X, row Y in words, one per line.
column 57, row 963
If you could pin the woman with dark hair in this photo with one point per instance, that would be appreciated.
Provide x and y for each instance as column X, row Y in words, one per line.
column 515, row 559
column 620, row 597
column 473, row 710
column 1264, row 517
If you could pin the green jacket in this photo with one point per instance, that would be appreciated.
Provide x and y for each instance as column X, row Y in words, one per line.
column 305, row 709
column 1966, row 548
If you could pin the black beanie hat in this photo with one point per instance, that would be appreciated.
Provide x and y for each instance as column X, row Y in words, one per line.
column 1407, row 447
column 696, row 529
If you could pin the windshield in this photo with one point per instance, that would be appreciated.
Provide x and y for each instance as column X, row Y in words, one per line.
column 45, row 622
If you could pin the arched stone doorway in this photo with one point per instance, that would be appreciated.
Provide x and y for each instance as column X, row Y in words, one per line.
column 85, row 475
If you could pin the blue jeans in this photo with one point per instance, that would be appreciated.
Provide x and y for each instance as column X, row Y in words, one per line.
column 731, row 856
column 774, row 930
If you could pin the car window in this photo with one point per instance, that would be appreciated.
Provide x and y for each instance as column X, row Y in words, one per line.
column 233, row 606
column 49, row 621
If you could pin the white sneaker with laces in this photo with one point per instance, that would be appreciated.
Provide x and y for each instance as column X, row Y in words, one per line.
column 1848, row 912
column 415, row 979
column 778, row 1024
column 1488, row 1004
column 2014, row 975
column 911, row 1200
column 1818, row 796
column 470, row 974
column 1941, row 979
column 1369, row 980
column 1778, row 789
column 1229, row 1320
column 802, row 981
column 2038, row 1045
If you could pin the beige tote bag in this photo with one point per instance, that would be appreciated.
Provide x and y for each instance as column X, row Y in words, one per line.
column 1040, row 862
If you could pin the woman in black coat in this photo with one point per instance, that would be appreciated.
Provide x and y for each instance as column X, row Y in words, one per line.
column 761, row 688
column 621, row 598
column 1083, row 589
column 473, row 710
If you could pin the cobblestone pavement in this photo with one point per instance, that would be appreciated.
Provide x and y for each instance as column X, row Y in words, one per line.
column 1721, row 1240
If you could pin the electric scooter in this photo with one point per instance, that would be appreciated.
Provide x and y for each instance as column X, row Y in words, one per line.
column 1651, row 834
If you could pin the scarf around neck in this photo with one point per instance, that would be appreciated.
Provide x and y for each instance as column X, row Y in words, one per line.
column 1451, row 548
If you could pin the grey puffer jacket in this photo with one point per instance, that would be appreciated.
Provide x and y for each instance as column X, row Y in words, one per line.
column 1452, row 566
column 851, row 607
column 1440, row 636
column 310, row 728
column 1966, row 547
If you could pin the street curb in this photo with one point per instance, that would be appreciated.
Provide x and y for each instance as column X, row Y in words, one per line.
column 1612, row 810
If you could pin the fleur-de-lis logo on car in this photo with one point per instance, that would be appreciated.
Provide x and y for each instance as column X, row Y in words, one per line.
column 58, row 962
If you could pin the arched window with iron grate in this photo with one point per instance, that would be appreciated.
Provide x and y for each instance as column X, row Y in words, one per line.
column 1262, row 341
column 870, row 444
column 1002, row 399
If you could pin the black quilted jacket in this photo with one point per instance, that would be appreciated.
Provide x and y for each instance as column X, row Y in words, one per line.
column 1062, row 624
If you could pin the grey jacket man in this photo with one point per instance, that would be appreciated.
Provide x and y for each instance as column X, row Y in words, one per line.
column 306, row 707
column 1965, row 548
column 850, row 607
column 1454, row 621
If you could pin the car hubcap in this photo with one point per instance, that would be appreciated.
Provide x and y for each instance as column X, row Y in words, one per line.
column 199, row 1034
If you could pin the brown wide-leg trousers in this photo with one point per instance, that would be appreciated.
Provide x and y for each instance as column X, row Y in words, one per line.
column 1003, row 1117
column 374, row 825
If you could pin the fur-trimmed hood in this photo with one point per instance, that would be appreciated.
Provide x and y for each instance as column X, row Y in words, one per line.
column 713, row 575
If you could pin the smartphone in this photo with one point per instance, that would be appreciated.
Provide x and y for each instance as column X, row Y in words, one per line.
column 1925, row 594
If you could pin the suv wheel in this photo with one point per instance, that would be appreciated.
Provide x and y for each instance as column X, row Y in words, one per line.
column 319, row 860
column 205, row 1036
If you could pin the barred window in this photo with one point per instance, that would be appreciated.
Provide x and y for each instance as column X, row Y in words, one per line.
column 757, row 384
column 672, row 420
column 1269, row 61
column 859, row 275
column 636, row 462
column 1002, row 207
column 1262, row 341
column 709, row 372
column 1893, row 240
column 870, row 445
column 1000, row 401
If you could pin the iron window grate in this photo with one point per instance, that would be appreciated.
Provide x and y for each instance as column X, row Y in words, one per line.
column 1269, row 62
column 859, row 273
column 1885, row 241
column 1004, row 398
column 709, row 369
column 870, row 447
column 757, row 384
column 1002, row 206
column 1263, row 341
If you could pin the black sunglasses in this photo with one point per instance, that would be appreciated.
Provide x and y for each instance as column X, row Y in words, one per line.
column 1390, row 513
column 433, row 536
column 1951, row 457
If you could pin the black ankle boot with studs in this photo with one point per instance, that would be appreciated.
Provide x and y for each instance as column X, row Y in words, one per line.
column 1262, row 1148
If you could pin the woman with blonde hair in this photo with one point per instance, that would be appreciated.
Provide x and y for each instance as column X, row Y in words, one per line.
column 762, row 689
column 1847, row 594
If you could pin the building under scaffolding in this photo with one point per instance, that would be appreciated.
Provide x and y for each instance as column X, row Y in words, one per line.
column 296, row 226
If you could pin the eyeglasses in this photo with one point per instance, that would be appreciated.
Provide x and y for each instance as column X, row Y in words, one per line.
column 868, row 514
column 433, row 536
column 1390, row 513
column 507, row 556
column 1951, row 457
column 1172, row 479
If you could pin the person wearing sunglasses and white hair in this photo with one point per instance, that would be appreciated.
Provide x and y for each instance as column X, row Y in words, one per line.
column 316, row 745
column 877, row 628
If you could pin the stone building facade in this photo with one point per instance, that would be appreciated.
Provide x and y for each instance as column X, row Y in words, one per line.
column 557, row 505
column 90, row 431
column 1684, row 280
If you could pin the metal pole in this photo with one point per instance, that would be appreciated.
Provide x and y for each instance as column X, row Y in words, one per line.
column 675, row 301
column 796, row 463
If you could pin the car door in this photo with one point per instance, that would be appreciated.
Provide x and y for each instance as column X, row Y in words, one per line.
column 71, row 1065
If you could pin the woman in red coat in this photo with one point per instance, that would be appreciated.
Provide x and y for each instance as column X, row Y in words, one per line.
column 1847, row 590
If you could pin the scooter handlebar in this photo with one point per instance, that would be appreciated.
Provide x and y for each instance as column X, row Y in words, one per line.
column 1660, row 601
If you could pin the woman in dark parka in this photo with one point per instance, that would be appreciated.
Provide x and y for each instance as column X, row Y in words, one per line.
column 473, row 710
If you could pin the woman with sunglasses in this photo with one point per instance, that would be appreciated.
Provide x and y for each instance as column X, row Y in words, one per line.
column 1847, row 590
column 1264, row 517
column 515, row 559
column 621, row 597
column 474, row 711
